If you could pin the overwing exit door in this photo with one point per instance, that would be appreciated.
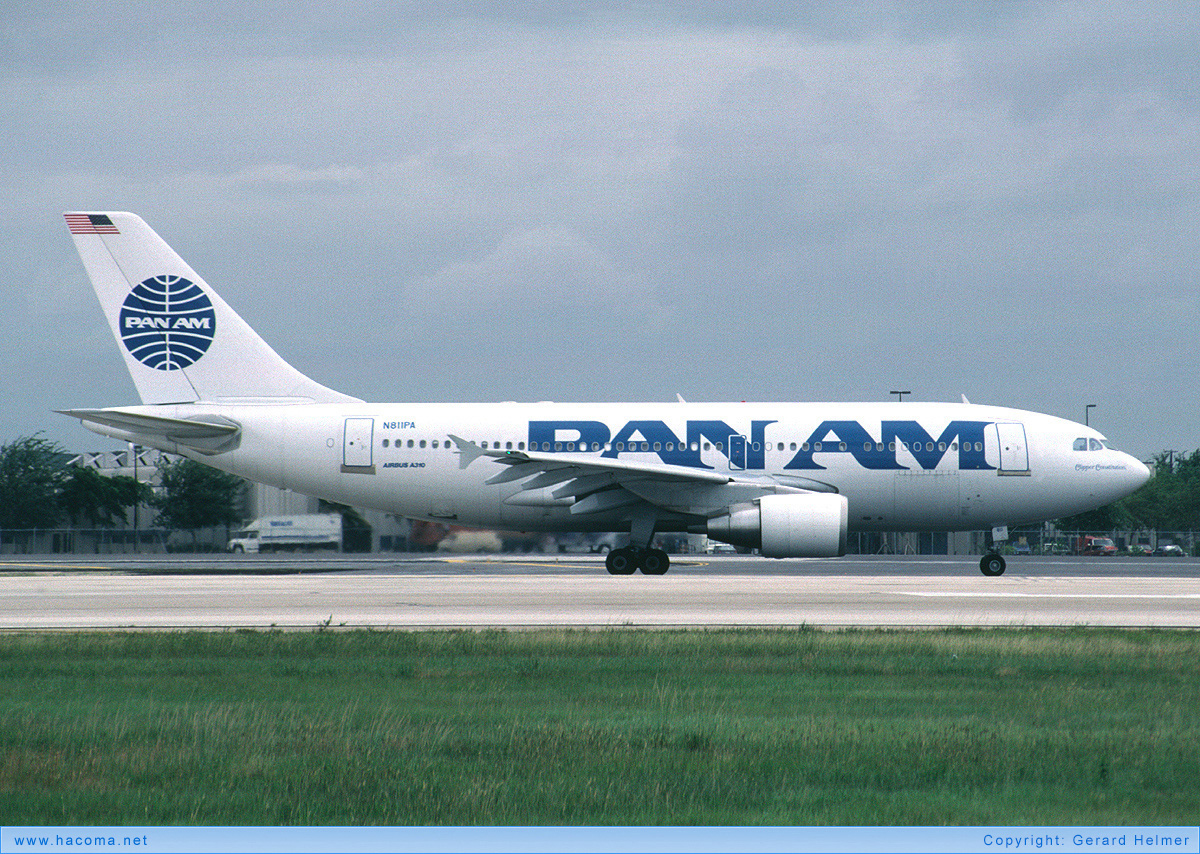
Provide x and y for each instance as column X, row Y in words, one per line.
column 737, row 452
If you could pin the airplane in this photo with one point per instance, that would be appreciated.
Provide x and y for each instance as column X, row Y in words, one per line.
column 789, row 479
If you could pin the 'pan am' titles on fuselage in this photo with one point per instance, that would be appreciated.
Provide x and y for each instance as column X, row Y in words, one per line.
column 964, row 438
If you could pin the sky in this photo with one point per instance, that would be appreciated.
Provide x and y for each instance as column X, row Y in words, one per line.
column 624, row 201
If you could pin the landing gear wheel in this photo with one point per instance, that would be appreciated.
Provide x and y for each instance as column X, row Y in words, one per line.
column 992, row 565
column 654, row 562
column 621, row 561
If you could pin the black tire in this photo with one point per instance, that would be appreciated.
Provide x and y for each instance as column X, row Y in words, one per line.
column 992, row 565
column 654, row 562
column 621, row 561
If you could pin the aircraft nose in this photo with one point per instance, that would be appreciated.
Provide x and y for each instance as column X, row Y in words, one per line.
column 1136, row 473
column 1139, row 472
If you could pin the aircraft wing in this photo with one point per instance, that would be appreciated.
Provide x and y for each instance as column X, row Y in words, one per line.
column 588, row 483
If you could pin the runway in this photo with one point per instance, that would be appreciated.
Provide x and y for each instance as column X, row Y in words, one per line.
column 159, row 593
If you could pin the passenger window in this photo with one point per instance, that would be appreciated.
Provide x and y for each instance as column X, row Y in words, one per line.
column 520, row 446
column 435, row 444
column 385, row 443
column 1080, row 445
column 411, row 443
column 422, row 443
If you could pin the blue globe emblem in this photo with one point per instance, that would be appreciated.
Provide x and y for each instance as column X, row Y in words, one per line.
column 167, row 323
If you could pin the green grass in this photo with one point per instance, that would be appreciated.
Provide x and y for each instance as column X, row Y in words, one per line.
column 624, row 727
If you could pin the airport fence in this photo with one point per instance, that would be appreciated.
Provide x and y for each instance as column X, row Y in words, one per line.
column 83, row 541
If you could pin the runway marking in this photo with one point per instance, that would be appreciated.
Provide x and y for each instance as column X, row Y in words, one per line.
column 535, row 564
column 974, row 594
column 6, row 565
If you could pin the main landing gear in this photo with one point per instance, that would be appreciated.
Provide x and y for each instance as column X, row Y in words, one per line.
column 992, row 564
column 625, row 561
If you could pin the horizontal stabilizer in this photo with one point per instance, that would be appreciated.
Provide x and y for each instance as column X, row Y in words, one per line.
column 137, row 422
column 207, row 434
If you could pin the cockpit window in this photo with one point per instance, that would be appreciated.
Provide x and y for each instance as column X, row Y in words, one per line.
column 1083, row 443
column 1080, row 444
column 1094, row 445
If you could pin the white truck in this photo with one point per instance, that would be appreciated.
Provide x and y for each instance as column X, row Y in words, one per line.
column 289, row 533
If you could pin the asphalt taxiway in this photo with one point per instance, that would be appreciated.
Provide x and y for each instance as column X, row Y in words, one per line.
column 423, row 592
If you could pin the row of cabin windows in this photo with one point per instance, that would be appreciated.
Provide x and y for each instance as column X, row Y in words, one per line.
column 695, row 446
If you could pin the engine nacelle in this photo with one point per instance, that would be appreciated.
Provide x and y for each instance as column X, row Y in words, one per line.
column 808, row 525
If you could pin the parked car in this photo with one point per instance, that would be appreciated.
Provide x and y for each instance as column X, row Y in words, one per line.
column 1093, row 546
column 1169, row 550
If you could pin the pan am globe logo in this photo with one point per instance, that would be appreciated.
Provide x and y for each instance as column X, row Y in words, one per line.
column 167, row 323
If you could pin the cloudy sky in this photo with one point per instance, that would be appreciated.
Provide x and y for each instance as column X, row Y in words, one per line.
column 621, row 201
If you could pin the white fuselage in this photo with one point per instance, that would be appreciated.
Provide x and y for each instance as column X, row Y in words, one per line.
column 901, row 466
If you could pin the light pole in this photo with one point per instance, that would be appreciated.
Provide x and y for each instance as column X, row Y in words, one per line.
column 133, row 449
column 899, row 394
column 1086, row 410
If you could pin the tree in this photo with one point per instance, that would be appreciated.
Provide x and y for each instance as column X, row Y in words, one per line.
column 1110, row 517
column 1170, row 501
column 98, row 501
column 197, row 496
column 32, row 473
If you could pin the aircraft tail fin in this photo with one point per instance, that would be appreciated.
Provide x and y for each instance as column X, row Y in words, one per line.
column 181, row 342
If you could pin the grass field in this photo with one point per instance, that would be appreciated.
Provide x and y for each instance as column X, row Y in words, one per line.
column 622, row 727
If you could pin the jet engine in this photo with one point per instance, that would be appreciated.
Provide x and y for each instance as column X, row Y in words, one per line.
column 808, row 525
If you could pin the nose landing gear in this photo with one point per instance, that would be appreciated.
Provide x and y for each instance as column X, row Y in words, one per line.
column 992, row 565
